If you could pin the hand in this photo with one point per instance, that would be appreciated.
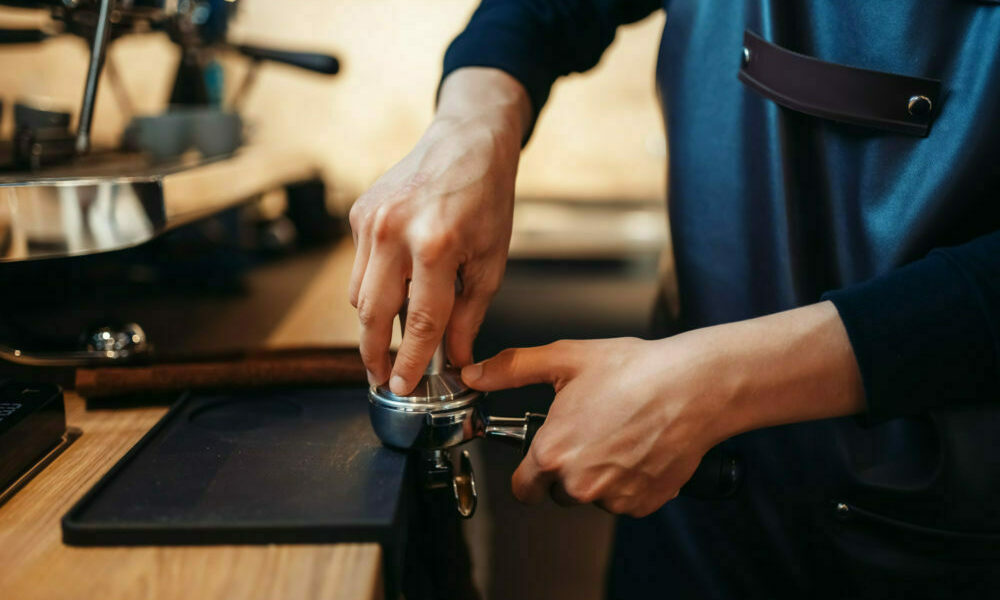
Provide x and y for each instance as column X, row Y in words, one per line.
column 632, row 418
column 442, row 213
column 618, row 433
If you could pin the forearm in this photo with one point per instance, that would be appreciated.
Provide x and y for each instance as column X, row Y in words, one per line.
column 537, row 42
column 792, row 366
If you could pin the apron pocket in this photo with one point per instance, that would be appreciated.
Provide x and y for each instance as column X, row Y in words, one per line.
column 856, row 524
column 897, row 103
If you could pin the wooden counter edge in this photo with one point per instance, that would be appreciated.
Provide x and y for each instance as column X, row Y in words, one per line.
column 37, row 565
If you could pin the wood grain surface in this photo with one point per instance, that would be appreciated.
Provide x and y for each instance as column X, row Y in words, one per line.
column 312, row 367
column 37, row 565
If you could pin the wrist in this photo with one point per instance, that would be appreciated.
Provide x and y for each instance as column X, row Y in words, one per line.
column 793, row 366
column 485, row 97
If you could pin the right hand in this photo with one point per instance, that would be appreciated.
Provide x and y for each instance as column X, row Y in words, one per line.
column 442, row 213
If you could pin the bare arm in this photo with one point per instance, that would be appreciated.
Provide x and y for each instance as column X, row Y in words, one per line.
column 632, row 418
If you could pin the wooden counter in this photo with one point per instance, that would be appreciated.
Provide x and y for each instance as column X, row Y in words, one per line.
column 36, row 564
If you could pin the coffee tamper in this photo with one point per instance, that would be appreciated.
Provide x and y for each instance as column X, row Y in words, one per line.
column 442, row 412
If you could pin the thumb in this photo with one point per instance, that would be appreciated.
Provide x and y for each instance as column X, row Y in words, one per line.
column 517, row 367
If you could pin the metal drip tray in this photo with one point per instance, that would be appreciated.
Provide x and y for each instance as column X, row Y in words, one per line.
column 118, row 203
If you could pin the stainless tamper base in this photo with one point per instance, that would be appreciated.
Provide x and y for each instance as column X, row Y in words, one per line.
column 440, row 413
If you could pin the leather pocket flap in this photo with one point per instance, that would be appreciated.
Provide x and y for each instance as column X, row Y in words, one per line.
column 888, row 101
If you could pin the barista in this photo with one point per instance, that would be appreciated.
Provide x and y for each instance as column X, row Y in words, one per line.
column 835, row 206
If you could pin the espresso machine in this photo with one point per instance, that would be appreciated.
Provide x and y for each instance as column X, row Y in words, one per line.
column 63, row 199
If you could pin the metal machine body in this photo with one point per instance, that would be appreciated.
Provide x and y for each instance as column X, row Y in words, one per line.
column 78, row 211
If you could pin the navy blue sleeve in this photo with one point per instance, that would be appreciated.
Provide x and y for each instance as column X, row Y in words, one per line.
column 537, row 41
column 927, row 335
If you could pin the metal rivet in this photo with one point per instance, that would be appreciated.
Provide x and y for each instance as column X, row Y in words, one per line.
column 919, row 106
column 843, row 510
column 746, row 55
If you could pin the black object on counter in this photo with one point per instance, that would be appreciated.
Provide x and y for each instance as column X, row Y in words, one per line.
column 32, row 423
column 252, row 468
column 310, row 61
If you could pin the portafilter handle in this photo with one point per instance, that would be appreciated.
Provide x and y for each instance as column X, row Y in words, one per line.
column 719, row 474
column 517, row 431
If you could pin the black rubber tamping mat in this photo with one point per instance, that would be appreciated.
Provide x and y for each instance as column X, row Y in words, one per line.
column 250, row 468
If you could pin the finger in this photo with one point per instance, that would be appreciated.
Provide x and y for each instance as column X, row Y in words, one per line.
column 432, row 294
column 560, row 496
column 530, row 484
column 466, row 318
column 362, row 252
column 382, row 293
column 619, row 505
column 480, row 285
column 517, row 367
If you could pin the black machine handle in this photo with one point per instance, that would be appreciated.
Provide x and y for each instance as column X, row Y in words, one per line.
column 718, row 476
column 31, row 3
column 22, row 36
column 310, row 61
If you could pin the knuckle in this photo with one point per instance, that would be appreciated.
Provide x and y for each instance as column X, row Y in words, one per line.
column 515, row 484
column 387, row 222
column 581, row 492
column 507, row 356
column 561, row 346
column 434, row 247
column 356, row 215
column 354, row 291
column 520, row 493
column 368, row 356
column 420, row 324
column 409, row 363
column 481, row 287
column 367, row 312
column 548, row 458
column 619, row 506
column 489, row 288
column 513, row 359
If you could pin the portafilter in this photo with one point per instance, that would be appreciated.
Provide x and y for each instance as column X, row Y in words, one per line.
column 442, row 412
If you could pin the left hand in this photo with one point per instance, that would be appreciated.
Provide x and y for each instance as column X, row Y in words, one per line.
column 628, row 426
column 632, row 418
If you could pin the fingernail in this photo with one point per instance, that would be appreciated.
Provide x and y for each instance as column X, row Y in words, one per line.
column 398, row 385
column 472, row 372
column 371, row 378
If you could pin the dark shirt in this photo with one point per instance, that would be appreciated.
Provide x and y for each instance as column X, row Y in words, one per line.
column 772, row 208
